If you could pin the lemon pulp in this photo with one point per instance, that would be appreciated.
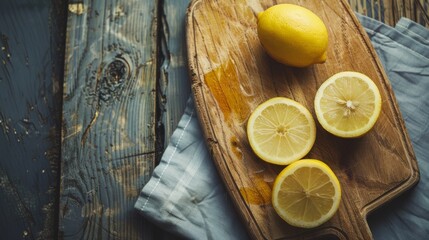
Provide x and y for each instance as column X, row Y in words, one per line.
column 306, row 193
column 348, row 104
column 281, row 131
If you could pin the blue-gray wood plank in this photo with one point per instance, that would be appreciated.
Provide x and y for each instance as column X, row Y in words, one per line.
column 109, row 118
column 31, row 69
column 174, row 82
column 31, row 78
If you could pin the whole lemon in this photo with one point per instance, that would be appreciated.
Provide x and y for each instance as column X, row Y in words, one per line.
column 293, row 35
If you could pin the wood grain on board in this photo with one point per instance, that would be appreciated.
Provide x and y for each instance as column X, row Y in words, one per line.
column 231, row 75
column 109, row 118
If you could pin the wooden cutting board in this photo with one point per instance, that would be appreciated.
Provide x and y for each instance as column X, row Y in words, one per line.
column 231, row 75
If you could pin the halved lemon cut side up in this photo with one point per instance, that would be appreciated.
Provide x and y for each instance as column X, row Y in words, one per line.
column 281, row 131
column 306, row 193
column 348, row 104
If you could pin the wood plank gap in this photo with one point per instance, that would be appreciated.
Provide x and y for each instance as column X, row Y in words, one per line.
column 160, row 108
column 174, row 84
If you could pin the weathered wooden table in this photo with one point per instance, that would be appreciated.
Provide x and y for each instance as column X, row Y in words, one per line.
column 90, row 92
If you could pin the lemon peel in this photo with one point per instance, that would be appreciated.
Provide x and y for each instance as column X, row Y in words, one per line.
column 293, row 35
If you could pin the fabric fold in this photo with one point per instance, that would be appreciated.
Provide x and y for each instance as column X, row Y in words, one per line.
column 405, row 58
column 185, row 194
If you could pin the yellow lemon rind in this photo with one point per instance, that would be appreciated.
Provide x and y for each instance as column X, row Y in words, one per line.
column 293, row 35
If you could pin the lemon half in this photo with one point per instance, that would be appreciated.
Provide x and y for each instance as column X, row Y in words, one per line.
column 348, row 104
column 281, row 131
column 306, row 193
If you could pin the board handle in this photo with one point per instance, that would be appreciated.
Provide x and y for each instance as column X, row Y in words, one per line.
column 351, row 222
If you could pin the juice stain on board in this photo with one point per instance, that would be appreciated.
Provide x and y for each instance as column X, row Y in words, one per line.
column 224, row 83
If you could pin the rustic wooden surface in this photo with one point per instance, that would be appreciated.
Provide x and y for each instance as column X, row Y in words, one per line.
column 109, row 118
column 31, row 68
column 174, row 84
column 31, row 113
column 231, row 75
column 390, row 12
column 32, row 41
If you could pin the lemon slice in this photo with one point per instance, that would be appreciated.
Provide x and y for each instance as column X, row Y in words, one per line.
column 306, row 193
column 347, row 104
column 281, row 131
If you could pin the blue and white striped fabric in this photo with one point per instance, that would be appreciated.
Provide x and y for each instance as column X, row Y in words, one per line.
column 185, row 195
column 404, row 53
